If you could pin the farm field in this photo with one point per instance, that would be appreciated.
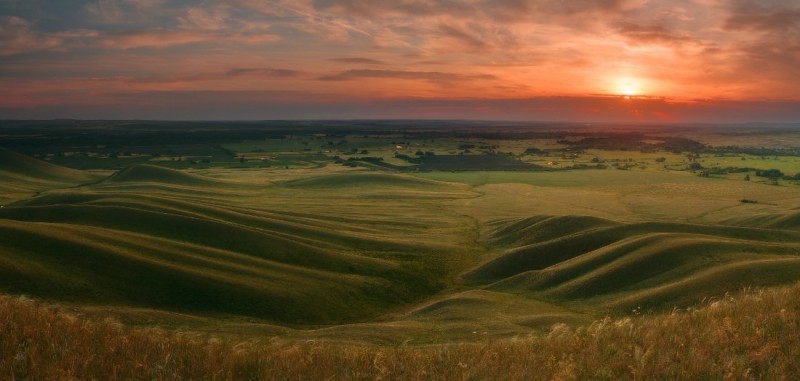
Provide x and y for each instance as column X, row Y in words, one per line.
column 383, row 235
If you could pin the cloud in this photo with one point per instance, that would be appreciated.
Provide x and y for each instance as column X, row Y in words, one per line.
column 372, row 9
column 651, row 34
column 771, row 53
column 261, row 73
column 510, row 29
column 764, row 16
column 429, row 76
column 107, row 11
column 264, row 72
column 215, row 18
column 163, row 23
column 18, row 36
column 149, row 5
column 358, row 60
column 463, row 36
column 305, row 18
column 125, row 11
column 496, row 10
column 154, row 38
column 568, row 8
column 160, row 38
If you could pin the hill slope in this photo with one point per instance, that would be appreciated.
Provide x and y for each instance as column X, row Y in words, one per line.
column 154, row 174
column 22, row 175
column 204, row 246
column 386, row 253
column 785, row 221
column 751, row 336
column 620, row 266
column 15, row 164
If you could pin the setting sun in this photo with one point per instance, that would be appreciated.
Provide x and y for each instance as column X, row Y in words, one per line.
column 628, row 87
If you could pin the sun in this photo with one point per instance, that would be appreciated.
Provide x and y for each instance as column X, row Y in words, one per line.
column 628, row 87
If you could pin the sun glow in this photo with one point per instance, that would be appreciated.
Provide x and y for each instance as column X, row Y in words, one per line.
column 628, row 87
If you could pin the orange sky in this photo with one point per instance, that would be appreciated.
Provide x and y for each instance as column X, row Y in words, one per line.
column 684, row 60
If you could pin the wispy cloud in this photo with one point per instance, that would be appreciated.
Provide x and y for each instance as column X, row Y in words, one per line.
column 205, row 18
column 651, row 34
column 329, row 27
column 249, row 73
column 161, row 38
column 358, row 60
column 769, row 38
column 430, row 76
column 764, row 16
column 107, row 11
column 124, row 11
column 462, row 35
column 18, row 36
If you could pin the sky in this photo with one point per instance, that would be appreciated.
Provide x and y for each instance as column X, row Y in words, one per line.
column 540, row 60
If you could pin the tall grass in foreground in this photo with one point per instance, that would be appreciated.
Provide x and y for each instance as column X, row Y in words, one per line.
column 755, row 335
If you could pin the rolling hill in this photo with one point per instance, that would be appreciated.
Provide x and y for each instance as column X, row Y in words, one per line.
column 15, row 165
column 21, row 176
column 153, row 237
column 383, row 257
column 618, row 266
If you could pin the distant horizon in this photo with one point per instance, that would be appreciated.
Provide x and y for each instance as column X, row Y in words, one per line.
column 409, row 119
column 547, row 109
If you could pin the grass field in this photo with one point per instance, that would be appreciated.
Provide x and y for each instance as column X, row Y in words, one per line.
column 712, row 341
column 360, row 259
column 174, row 249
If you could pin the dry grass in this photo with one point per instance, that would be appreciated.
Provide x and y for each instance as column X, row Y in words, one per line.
column 755, row 335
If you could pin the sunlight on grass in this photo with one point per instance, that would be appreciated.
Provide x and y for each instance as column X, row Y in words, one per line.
column 754, row 335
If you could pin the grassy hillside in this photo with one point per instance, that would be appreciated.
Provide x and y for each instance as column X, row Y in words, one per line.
column 624, row 266
column 755, row 335
column 21, row 176
column 232, row 270
column 289, row 266
column 151, row 237
column 364, row 179
column 786, row 221
column 353, row 255
column 12, row 163
column 154, row 174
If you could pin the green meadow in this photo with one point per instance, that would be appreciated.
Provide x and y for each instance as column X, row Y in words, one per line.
column 361, row 241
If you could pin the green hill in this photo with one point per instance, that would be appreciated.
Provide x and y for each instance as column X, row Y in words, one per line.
column 21, row 176
column 146, row 173
column 230, row 271
column 788, row 221
column 365, row 180
column 169, row 249
column 519, row 232
column 17, row 166
column 654, row 265
column 382, row 257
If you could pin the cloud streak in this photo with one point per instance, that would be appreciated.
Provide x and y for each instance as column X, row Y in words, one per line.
column 430, row 76
column 160, row 38
column 358, row 60
column 18, row 36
